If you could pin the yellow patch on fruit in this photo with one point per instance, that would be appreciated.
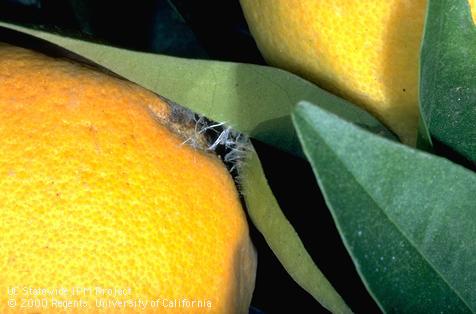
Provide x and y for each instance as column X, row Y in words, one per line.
column 99, row 199
column 365, row 51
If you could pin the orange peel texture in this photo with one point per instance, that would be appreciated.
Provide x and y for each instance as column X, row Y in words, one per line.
column 95, row 193
column 365, row 51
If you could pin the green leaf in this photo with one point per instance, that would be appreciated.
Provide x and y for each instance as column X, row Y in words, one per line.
column 424, row 141
column 282, row 238
column 407, row 218
column 447, row 76
column 255, row 100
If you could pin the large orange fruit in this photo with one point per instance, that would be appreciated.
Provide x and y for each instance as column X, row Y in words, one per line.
column 103, row 208
column 366, row 51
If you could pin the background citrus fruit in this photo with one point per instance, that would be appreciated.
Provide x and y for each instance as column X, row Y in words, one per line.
column 365, row 51
column 97, row 191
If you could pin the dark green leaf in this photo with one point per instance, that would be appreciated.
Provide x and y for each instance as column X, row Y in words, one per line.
column 424, row 141
column 282, row 238
column 407, row 218
column 255, row 100
column 448, row 77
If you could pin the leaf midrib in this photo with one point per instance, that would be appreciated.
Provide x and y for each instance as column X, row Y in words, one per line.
column 378, row 205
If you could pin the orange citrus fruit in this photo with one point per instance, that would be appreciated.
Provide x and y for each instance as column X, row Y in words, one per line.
column 103, row 208
column 365, row 51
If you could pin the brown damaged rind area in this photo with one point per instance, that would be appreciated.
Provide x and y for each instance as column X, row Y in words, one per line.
column 182, row 122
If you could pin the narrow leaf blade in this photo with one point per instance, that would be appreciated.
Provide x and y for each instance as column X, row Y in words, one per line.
column 283, row 239
column 255, row 100
column 406, row 217
column 447, row 77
